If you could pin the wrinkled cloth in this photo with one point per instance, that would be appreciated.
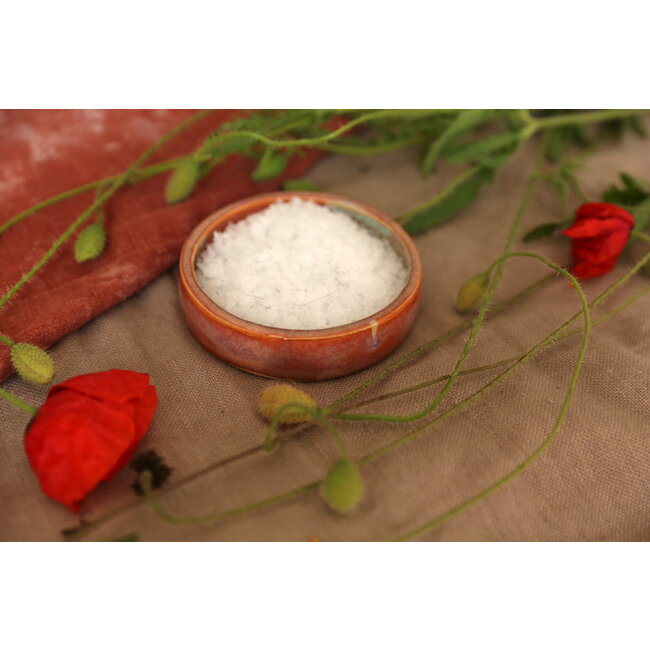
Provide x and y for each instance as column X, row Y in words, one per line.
column 44, row 153
column 592, row 483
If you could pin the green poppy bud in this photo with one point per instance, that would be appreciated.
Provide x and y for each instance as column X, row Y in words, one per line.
column 271, row 164
column 275, row 397
column 183, row 180
column 90, row 243
column 471, row 293
column 32, row 363
column 343, row 488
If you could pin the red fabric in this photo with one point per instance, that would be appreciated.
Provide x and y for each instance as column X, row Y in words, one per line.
column 87, row 430
column 599, row 235
column 43, row 153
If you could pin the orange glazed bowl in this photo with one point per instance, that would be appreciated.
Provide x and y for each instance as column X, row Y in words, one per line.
column 309, row 355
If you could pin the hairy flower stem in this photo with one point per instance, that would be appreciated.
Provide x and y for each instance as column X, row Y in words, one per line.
column 140, row 175
column 16, row 401
column 566, row 402
column 145, row 484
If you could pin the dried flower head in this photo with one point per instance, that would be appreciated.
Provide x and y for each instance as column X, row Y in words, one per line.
column 150, row 461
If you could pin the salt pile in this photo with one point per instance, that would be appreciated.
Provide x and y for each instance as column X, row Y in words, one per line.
column 300, row 265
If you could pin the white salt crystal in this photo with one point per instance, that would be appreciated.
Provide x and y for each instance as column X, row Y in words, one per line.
column 300, row 265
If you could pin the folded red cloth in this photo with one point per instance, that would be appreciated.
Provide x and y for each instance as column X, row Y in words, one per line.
column 43, row 153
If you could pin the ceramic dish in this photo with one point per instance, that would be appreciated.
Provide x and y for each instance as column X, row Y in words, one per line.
column 298, row 354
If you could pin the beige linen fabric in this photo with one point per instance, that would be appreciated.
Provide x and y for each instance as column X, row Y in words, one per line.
column 593, row 483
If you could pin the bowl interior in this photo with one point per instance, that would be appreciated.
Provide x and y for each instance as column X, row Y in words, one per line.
column 378, row 224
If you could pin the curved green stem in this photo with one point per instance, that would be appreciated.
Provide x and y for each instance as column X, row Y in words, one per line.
column 573, row 381
column 314, row 142
column 145, row 484
column 637, row 234
column 498, row 379
column 16, row 401
column 141, row 175
column 335, row 433
column 370, row 149
column 6, row 340
column 270, row 440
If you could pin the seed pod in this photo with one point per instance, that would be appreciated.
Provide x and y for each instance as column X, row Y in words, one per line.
column 90, row 243
column 183, row 180
column 32, row 363
column 271, row 164
column 471, row 293
column 275, row 397
column 343, row 486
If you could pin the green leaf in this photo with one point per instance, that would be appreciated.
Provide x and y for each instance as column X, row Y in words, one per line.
column 633, row 192
column 471, row 151
column 90, row 243
column 301, row 184
column 543, row 231
column 447, row 203
column 463, row 122
column 271, row 164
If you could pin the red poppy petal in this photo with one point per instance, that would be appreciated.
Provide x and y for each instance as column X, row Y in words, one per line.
column 117, row 386
column 75, row 442
column 598, row 249
column 143, row 410
column 603, row 211
column 596, row 228
column 587, row 270
column 145, row 407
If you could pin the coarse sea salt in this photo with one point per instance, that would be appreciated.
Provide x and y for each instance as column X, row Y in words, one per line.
column 300, row 265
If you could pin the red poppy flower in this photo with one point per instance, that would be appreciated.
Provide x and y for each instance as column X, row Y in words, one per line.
column 599, row 233
column 87, row 430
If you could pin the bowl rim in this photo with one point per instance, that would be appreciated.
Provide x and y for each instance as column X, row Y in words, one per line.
column 199, row 234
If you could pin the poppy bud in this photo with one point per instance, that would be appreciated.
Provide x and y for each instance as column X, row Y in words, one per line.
column 183, row 180
column 275, row 397
column 470, row 294
column 343, row 486
column 90, row 243
column 32, row 363
column 271, row 164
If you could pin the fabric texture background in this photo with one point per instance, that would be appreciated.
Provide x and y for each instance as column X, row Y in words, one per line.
column 592, row 484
